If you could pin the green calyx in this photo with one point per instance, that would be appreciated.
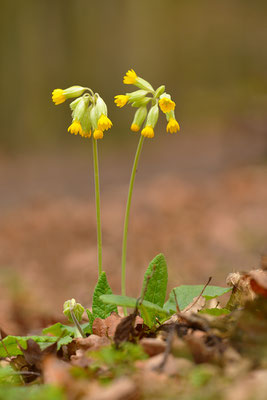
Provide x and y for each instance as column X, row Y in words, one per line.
column 153, row 115
column 140, row 116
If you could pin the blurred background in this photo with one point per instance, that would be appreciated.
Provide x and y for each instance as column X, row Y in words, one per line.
column 200, row 195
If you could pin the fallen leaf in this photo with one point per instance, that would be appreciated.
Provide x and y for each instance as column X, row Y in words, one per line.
column 126, row 329
column 258, row 282
column 106, row 327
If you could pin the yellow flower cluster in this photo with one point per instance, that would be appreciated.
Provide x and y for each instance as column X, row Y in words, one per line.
column 141, row 98
column 89, row 111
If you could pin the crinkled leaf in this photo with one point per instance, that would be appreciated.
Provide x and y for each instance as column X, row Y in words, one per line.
column 155, row 282
column 91, row 320
column 186, row 293
column 61, row 330
column 64, row 341
column 216, row 312
column 10, row 343
column 100, row 309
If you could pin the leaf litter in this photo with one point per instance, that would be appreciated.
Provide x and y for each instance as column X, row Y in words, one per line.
column 192, row 355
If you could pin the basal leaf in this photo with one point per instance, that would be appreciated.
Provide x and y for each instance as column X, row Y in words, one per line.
column 157, row 283
column 186, row 293
column 130, row 302
column 100, row 309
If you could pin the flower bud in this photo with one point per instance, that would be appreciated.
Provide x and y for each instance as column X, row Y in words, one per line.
column 141, row 102
column 101, row 106
column 152, row 117
column 142, row 84
column 73, row 91
column 137, row 95
column 80, row 108
column 74, row 104
column 86, row 122
column 139, row 118
column 159, row 91
column 97, row 111
column 70, row 306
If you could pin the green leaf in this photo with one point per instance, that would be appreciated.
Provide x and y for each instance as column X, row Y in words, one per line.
column 155, row 282
column 216, row 312
column 10, row 343
column 100, row 309
column 130, row 302
column 91, row 320
column 61, row 330
column 64, row 341
column 186, row 293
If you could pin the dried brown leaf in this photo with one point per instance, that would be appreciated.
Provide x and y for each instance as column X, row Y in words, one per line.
column 106, row 327
column 258, row 282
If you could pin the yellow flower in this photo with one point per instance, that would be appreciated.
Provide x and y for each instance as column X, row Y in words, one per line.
column 148, row 132
column 135, row 127
column 98, row 134
column 173, row 126
column 130, row 77
column 58, row 96
column 104, row 123
column 166, row 104
column 121, row 100
column 75, row 128
column 86, row 134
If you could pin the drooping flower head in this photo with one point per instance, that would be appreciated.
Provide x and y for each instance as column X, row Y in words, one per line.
column 141, row 99
column 89, row 111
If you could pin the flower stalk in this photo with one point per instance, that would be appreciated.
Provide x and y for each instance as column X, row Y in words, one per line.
column 97, row 203
column 127, row 213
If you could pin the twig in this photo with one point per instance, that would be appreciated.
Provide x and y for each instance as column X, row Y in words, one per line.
column 176, row 303
column 167, row 350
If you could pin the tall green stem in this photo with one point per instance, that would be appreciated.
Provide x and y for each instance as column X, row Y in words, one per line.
column 97, row 203
column 126, row 219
